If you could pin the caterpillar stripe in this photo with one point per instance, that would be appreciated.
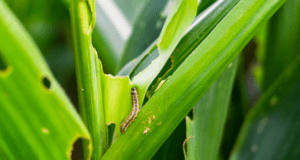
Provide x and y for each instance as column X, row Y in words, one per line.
column 134, row 111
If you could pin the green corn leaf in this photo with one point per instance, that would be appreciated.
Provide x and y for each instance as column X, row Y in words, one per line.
column 283, row 41
column 203, row 25
column 204, row 131
column 179, row 19
column 37, row 119
column 169, row 105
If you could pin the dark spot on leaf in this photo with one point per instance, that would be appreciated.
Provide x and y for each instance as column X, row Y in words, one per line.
column 46, row 82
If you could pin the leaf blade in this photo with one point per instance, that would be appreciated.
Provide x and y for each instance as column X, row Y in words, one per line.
column 40, row 121
column 204, row 132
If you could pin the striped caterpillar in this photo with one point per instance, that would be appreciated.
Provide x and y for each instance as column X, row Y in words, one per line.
column 135, row 109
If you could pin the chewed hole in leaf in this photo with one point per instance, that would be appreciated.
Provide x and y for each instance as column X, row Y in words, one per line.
column 76, row 152
column 46, row 83
column 3, row 63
